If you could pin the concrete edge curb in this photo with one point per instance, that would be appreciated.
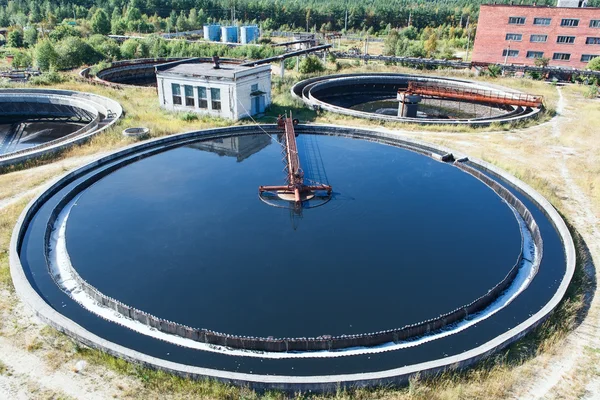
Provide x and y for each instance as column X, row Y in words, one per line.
column 288, row 383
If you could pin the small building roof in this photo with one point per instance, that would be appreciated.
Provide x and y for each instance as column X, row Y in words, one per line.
column 208, row 70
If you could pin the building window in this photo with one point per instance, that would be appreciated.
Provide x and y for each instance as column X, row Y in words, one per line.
column 176, row 90
column 595, row 23
column 510, row 53
column 516, row 20
column 565, row 39
column 542, row 21
column 189, row 96
column 592, row 40
column 561, row 56
column 254, row 87
column 535, row 54
column 516, row 37
column 538, row 38
column 588, row 57
column 202, row 99
column 215, row 98
column 569, row 22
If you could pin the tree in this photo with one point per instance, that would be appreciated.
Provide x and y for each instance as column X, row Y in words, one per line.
column 594, row 64
column 22, row 59
column 108, row 47
column 63, row 31
column 311, row 64
column 30, row 36
column 45, row 55
column 431, row 45
column 15, row 38
column 100, row 22
column 541, row 62
column 73, row 52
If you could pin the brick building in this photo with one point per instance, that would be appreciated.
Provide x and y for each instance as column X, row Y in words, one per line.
column 568, row 36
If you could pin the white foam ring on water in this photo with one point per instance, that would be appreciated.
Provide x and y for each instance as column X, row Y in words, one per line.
column 61, row 268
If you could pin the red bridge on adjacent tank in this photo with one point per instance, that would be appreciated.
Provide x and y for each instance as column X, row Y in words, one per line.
column 295, row 176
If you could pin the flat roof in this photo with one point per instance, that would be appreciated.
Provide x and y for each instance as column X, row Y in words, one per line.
column 207, row 69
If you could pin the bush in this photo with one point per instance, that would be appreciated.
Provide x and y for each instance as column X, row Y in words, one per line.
column 310, row 65
column 494, row 70
column 22, row 59
column 188, row 116
column 15, row 38
column 100, row 22
column 73, row 52
column 594, row 64
column 109, row 48
column 30, row 36
column 592, row 92
column 47, row 79
column 45, row 55
column 63, row 31
column 134, row 48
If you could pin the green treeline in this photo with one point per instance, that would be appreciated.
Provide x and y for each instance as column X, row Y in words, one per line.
column 147, row 16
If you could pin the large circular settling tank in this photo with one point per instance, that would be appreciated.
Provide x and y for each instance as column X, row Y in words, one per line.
column 34, row 122
column 417, row 99
column 165, row 249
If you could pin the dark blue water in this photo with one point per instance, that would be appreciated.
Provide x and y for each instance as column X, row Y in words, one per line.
column 182, row 235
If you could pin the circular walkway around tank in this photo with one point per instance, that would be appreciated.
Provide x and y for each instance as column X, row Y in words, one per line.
column 345, row 93
column 520, row 301
column 93, row 113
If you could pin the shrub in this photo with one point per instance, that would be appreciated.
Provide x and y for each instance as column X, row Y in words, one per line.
column 594, row 64
column 188, row 116
column 47, row 79
column 22, row 59
column 73, row 52
column 15, row 38
column 311, row 64
column 100, row 22
column 45, row 55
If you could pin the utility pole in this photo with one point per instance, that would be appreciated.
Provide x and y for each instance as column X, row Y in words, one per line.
column 346, row 20
column 507, row 51
column 468, row 38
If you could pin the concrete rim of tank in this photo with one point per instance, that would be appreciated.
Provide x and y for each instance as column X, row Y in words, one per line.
column 303, row 91
column 105, row 110
column 320, row 383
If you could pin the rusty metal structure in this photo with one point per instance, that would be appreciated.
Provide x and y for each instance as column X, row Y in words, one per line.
column 472, row 95
column 295, row 185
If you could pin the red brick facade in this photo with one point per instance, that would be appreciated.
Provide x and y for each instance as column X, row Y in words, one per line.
column 493, row 27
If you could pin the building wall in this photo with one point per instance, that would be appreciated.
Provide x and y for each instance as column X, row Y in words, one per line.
column 232, row 92
column 493, row 26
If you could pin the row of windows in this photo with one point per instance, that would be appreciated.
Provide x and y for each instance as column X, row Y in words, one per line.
column 540, row 54
column 188, row 91
column 569, row 22
column 517, row 37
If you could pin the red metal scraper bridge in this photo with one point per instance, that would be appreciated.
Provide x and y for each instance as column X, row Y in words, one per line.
column 295, row 176
column 477, row 95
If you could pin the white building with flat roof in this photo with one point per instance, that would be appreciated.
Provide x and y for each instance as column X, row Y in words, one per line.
column 224, row 90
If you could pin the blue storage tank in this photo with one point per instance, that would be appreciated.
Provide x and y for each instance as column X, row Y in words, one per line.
column 229, row 34
column 212, row 32
column 249, row 34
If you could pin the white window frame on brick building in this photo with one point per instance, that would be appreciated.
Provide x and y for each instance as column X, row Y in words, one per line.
column 516, row 20
column 514, row 37
column 569, row 22
column 561, row 56
column 538, row 38
column 542, row 21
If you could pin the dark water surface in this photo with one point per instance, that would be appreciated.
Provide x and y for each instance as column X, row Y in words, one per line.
column 183, row 235
column 22, row 135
